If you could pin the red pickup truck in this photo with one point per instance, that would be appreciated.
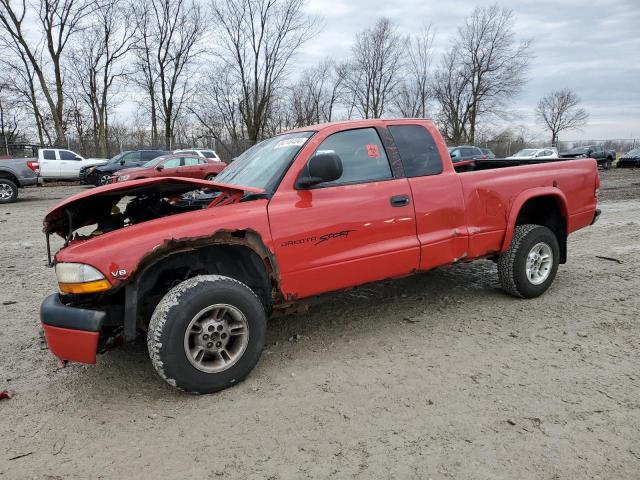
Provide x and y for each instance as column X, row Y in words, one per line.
column 199, row 266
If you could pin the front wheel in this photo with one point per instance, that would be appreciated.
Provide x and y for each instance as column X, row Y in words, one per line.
column 529, row 266
column 207, row 334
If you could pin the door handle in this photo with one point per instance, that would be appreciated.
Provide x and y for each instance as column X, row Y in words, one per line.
column 399, row 200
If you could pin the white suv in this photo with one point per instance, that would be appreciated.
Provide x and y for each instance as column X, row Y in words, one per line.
column 203, row 153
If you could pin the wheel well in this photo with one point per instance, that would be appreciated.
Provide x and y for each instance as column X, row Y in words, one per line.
column 10, row 176
column 236, row 261
column 546, row 211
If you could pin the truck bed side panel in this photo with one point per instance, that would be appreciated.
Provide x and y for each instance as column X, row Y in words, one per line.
column 490, row 196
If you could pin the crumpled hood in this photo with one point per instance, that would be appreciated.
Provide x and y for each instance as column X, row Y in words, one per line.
column 86, row 207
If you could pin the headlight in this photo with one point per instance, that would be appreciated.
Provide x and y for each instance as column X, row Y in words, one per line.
column 122, row 178
column 80, row 278
column 90, row 169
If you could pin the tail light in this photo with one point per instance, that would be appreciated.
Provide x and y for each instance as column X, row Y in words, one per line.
column 33, row 165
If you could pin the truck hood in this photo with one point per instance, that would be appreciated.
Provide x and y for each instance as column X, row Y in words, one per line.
column 88, row 207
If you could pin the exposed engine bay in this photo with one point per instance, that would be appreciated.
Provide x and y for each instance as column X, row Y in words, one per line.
column 148, row 207
column 112, row 207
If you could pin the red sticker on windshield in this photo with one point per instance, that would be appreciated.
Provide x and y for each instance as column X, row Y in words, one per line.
column 372, row 150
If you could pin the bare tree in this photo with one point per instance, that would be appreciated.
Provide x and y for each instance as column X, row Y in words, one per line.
column 313, row 98
column 10, row 117
column 374, row 72
column 24, row 84
column 415, row 90
column 97, row 64
column 484, row 68
column 559, row 111
column 170, row 33
column 259, row 39
column 217, row 108
column 58, row 21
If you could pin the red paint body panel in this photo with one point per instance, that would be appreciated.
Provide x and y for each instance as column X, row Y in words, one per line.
column 450, row 217
column 74, row 345
column 124, row 249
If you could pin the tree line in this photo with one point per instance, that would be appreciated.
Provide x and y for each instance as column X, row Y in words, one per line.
column 228, row 70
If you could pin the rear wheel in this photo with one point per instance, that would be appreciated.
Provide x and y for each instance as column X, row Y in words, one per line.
column 529, row 266
column 207, row 334
column 8, row 191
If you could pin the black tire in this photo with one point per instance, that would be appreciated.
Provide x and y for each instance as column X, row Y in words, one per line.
column 8, row 191
column 102, row 180
column 607, row 164
column 173, row 316
column 512, row 264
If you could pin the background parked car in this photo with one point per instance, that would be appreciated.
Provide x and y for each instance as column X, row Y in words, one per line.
column 486, row 153
column 16, row 173
column 630, row 159
column 100, row 174
column 465, row 153
column 203, row 153
column 59, row 164
column 173, row 165
column 602, row 155
column 531, row 153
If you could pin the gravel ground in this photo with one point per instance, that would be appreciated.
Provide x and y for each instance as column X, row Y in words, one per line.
column 440, row 375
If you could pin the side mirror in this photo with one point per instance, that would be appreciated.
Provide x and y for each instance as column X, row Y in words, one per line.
column 77, row 157
column 321, row 168
column 122, row 162
column 159, row 168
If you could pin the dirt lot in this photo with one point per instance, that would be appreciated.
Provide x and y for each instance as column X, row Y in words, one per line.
column 440, row 375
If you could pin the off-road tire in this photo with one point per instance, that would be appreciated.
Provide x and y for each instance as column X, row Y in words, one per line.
column 512, row 263
column 172, row 317
column 11, row 190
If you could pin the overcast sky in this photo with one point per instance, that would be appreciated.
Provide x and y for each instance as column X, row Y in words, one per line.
column 592, row 47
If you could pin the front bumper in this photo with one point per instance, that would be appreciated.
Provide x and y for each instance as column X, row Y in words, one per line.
column 72, row 333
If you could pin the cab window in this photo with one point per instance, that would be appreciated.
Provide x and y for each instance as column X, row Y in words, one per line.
column 417, row 150
column 362, row 154
column 172, row 163
column 67, row 155
column 190, row 161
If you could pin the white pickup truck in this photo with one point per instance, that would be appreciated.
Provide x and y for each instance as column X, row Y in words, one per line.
column 57, row 163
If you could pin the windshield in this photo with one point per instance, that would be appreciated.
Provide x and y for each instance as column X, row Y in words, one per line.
column 154, row 162
column 527, row 152
column 264, row 164
column 635, row 151
column 117, row 158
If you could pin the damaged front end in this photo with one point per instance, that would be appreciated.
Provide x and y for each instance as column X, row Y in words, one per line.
column 116, row 206
column 98, row 309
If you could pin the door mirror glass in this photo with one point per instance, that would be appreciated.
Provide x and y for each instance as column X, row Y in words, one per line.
column 322, row 167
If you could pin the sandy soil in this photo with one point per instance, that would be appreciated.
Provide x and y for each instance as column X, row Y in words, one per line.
column 440, row 375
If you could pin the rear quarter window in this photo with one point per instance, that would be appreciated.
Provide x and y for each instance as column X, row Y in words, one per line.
column 49, row 155
column 417, row 149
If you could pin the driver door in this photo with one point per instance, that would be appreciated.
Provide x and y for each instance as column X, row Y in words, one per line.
column 357, row 229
